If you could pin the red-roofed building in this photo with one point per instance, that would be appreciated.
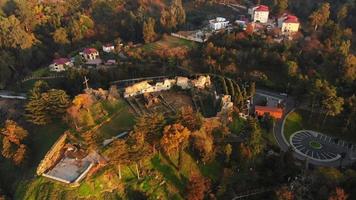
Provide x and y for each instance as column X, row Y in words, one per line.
column 259, row 13
column 60, row 64
column 90, row 54
column 288, row 23
column 108, row 48
column 272, row 111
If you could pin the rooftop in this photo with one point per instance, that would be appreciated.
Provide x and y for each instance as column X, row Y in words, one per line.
column 262, row 8
column 291, row 19
column 61, row 61
column 90, row 50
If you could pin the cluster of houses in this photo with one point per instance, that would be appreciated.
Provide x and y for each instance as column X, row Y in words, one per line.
column 143, row 87
column 259, row 15
column 90, row 56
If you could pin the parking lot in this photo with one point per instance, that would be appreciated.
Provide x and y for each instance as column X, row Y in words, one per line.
column 320, row 147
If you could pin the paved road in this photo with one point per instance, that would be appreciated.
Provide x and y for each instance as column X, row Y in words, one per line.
column 290, row 105
column 12, row 95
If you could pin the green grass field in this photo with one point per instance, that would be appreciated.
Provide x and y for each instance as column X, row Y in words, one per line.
column 159, row 179
column 294, row 123
column 167, row 42
column 123, row 120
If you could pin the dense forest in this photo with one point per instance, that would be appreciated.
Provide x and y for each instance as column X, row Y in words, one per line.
column 317, row 67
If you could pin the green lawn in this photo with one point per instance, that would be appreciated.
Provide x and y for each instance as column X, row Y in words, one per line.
column 294, row 123
column 122, row 121
column 167, row 42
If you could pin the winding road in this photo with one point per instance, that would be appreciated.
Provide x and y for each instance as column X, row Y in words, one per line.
column 278, row 131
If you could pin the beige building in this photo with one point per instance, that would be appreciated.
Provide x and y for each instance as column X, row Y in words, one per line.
column 288, row 24
column 202, row 82
column 142, row 87
column 60, row 65
column 259, row 13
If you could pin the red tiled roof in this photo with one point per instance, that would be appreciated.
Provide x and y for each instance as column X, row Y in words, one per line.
column 274, row 112
column 262, row 8
column 89, row 50
column 61, row 61
column 291, row 19
column 108, row 45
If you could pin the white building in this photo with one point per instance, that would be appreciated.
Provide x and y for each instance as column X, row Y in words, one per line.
column 90, row 54
column 142, row 87
column 145, row 87
column 259, row 13
column 108, row 48
column 60, row 64
column 218, row 23
column 288, row 24
column 183, row 82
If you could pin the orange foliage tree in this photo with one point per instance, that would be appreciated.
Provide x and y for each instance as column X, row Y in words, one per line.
column 197, row 187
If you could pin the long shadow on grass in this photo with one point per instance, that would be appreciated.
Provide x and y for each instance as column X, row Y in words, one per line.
column 168, row 172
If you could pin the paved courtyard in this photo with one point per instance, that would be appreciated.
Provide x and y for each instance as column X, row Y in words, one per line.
column 320, row 147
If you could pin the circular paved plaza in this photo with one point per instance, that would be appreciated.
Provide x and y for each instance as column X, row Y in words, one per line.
column 315, row 146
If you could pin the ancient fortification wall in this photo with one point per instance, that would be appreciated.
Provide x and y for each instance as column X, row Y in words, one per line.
column 52, row 155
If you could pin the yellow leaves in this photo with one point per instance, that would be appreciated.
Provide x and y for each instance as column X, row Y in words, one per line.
column 173, row 137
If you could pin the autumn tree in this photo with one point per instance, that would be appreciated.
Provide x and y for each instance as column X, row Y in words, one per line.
column 79, row 113
column 60, row 36
column 292, row 68
column 350, row 110
column 338, row 194
column 348, row 68
column 13, row 34
column 149, row 34
column 280, row 6
column 283, row 193
column 118, row 154
column 46, row 105
column 151, row 125
column 190, row 119
column 12, row 147
column 319, row 17
column 342, row 13
column 80, row 26
column 255, row 143
column 173, row 16
column 7, row 68
column 332, row 104
column 228, row 152
column 203, row 142
column 197, row 187
column 175, row 138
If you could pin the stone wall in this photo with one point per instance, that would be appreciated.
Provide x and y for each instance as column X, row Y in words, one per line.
column 52, row 156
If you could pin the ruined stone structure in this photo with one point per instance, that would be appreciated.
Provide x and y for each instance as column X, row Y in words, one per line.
column 53, row 155
column 201, row 82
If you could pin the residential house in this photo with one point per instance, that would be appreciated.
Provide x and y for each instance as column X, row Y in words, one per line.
column 272, row 111
column 108, row 48
column 288, row 24
column 218, row 23
column 60, row 64
column 259, row 13
column 183, row 82
column 90, row 54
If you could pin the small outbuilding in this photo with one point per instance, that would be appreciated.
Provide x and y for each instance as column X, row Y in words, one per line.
column 60, row 64
column 272, row 111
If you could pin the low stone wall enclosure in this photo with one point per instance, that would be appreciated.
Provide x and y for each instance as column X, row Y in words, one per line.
column 53, row 155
